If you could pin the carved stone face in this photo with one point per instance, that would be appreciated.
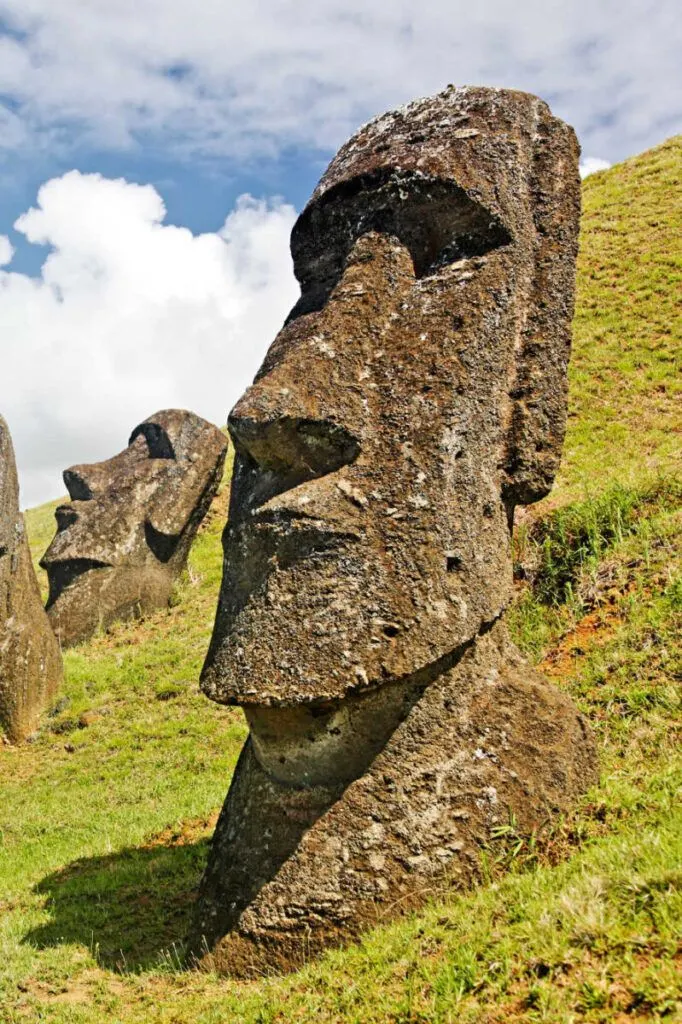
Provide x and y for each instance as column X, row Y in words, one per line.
column 126, row 533
column 414, row 396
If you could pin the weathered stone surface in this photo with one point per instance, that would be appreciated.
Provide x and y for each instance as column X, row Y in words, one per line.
column 416, row 394
column 125, row 535
column 30, row 661
column 295, row 868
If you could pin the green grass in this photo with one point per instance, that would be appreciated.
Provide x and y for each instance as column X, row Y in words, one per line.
column 569, row 557
column 626, row 369
column 106, row 817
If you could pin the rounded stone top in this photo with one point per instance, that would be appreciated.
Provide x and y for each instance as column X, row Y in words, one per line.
column 480, row 138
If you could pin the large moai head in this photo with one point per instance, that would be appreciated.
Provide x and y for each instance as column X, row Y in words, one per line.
column 30, row 661
column 125, row 535
column 415, row 395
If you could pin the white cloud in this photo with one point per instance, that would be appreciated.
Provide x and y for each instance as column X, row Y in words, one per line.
column 6, row 250
column 591, row 164
column 246, row 78
column 131, row 315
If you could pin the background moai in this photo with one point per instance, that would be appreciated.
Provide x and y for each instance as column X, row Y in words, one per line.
column 125, row 535
column 416, row 394
column 30, row 660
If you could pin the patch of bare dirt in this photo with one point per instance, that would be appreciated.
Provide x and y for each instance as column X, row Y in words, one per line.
column 593, row 629
column 78, row 990
column 185, row 832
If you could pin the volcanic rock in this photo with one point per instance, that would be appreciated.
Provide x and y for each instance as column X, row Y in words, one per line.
column 124, row 537
column 414, row 397
column 30, row 660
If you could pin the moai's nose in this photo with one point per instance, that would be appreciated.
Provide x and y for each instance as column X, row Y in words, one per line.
column 85, row 482
column 305, row 412
column 283, row 443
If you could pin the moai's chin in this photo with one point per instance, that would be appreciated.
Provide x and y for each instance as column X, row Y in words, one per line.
column 314, row 844
column 101, row 595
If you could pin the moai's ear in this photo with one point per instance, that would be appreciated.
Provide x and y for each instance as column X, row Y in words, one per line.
column 194, row 473
column 539, row 391
column 192, row 453
column 173, row 508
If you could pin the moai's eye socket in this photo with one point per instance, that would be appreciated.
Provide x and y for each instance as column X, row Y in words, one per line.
column 435, row 219
column 76, row 484
column 158, row 441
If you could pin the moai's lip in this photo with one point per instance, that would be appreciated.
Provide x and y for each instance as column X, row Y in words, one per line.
column 324, row 502
column 68, row 552
column 63, row 574
column 75, row 560
column 289, row 524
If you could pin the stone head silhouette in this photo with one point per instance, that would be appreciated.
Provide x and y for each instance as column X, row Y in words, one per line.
column 30, row 660
column 416, row 394
column 125, row 535
column 414, row 397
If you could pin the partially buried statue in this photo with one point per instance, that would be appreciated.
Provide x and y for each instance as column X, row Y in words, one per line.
column 414, row 397
column 125, row 535
column 30, row 661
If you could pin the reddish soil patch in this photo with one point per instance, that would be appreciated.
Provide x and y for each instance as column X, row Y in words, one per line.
column 185, row 832
column 594, row 629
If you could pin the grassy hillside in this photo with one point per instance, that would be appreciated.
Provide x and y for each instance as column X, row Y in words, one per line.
column 106, row 816
column 626, row 374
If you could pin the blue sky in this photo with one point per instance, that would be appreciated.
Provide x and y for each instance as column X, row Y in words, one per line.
column 106, row 312
column 198, row 193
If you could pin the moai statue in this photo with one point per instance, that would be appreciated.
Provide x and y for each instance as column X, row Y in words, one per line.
column 125, row 535
column 30, row 660
column 414, row 397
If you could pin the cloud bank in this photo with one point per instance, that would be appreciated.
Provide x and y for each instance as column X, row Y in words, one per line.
column 248, row 79
column 131, row 315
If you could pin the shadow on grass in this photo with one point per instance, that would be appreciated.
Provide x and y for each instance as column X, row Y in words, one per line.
column 131, row 908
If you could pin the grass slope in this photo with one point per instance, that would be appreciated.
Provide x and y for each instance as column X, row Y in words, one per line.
column 106, row 816
column 626, row 374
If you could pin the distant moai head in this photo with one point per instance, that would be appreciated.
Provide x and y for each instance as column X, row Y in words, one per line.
column 126, row 533
column 415, row 395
